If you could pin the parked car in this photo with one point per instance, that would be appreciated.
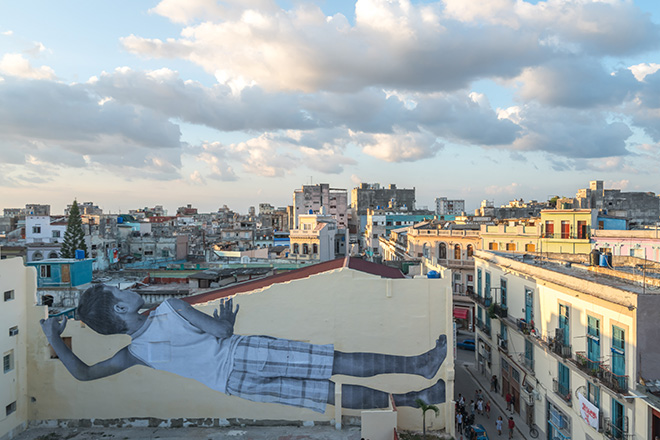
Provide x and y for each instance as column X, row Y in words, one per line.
column 467, row 344
column 476, row 432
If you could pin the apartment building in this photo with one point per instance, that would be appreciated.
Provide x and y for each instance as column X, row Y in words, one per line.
column 321, row 199
column 315, row 239
column 444, row 206
column 571, row 343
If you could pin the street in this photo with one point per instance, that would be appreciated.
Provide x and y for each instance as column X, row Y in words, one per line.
column 467, row 386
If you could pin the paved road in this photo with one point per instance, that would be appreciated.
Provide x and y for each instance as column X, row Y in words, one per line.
column 467, row 386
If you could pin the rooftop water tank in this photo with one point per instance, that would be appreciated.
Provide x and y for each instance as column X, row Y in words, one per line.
column 80, row 254
column 594, row 257
column 432, row 274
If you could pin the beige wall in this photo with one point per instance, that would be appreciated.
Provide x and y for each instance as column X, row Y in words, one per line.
column 13, row 313
column 353, row 310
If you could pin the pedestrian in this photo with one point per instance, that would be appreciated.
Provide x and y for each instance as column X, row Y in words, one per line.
column 459, row 422
column 498, row 425
column 488, row 409
column 472, row 407
column 508, row 399
column 480, row 407
column 513, row 403
column 461, row 400
column 496, row 384
column 512, row 425
column 492, row 382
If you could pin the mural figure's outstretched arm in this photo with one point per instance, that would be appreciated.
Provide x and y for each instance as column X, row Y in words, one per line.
column 220, row 325
column 122, row 360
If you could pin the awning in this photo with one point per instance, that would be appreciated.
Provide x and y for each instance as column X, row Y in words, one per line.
column 460, row 313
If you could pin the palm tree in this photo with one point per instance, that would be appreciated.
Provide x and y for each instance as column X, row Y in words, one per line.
column 424, row 407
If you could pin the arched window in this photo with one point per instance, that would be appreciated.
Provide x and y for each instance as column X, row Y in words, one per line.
column 53, row 255
column 305, row 249
column 457, row 252
column 442, row 251
column 37, row 256
column 470, row 250
column 315, row 248
column 296, row 248
column 425, row 250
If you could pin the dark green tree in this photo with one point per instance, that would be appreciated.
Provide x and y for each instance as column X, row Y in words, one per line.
column 74, row 237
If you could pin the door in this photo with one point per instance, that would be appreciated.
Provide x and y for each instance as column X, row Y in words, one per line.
column 66, row 274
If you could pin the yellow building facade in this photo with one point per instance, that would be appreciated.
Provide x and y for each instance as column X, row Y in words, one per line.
column 567, row 231
column 355, row 309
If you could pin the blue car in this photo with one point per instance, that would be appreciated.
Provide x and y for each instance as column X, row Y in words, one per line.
column 479, row 432
column 467, row 344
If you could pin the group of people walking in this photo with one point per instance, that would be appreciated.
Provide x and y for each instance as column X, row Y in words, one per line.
column 466, row 413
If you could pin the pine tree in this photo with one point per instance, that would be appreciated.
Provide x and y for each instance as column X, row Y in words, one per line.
column 74, row 237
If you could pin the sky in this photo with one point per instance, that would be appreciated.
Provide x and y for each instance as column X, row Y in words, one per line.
column 134, row 104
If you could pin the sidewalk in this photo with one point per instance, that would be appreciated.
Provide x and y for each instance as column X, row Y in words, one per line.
column 498, row 401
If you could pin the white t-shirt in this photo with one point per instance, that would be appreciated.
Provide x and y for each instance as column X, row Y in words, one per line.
column 167, row 341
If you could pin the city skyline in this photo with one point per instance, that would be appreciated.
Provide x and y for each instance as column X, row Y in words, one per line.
column 174, row 102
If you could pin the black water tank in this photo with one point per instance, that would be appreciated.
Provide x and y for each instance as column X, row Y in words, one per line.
column 594, row 257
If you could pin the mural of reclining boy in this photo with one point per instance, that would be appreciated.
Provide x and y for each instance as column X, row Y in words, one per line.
column 178, row 338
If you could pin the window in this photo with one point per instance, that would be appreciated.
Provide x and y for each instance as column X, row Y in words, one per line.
column 36, row 229
column 487, row 283
column 593, row 341
column 148, row 252
column 8, row 361
column 470, row 250
column 44, row 270
column 479, row 282
column 510, row 246
column 564, row 324
column 67, row 339
column 296, row 248
column 619, row 353
column 549, row 229
column 503, row 292
column 10, row 408
column 305, row 248
column 593, row 394
column 9, row 295
column 529, row 355
column 442, row 251
column 315, row 248
column 493, row 246
column 56, row 234
column 13, row 331
column 530, row 248
column 563, row 381
column 165, row 253
column 582, row 229
column 565, row 229
column 457, row 252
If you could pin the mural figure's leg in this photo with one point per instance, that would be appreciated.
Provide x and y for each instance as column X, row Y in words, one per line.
column 359, row 397
column 371, row 364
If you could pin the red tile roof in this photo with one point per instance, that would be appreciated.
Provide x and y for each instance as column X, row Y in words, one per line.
column 352, row 263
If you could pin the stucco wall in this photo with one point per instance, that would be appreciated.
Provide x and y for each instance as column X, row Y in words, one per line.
column 353, row 310
column 14, row 313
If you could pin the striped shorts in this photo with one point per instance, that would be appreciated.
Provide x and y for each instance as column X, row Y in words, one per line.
column 281, row 371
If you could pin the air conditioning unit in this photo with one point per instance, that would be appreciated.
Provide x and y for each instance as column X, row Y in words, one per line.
column 528, row 396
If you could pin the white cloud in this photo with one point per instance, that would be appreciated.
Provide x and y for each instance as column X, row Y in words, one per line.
column 640, row 71
column 14, row 64
column 398, row 146
column 7, row 33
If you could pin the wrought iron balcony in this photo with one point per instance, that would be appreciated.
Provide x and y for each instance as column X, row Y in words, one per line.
column 557, row 345
column 503, row 343
column 616, row 432
column 602, row 371
column 593, row 368
column 562, row 391
column 616, row 382
column 483, row 327
column 500, row 310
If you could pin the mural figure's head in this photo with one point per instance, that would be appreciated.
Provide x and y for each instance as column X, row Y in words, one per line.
column 105, row 308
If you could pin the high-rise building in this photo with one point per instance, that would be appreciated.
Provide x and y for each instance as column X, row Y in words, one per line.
column 372, row 196
column 321, row 199
column 443, row 206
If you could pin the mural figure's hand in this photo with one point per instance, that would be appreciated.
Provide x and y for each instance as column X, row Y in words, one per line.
column 226, row 312
column 53, row 326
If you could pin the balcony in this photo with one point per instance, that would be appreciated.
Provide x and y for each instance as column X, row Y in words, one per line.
column 503, row 343
column 615, row 432
column 500, row 311
column 482, row 326
column 615, row 382
column 557, row 346
column 562, row 391
column 528, row 363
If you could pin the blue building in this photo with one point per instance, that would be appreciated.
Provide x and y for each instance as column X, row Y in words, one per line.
column 63, row 272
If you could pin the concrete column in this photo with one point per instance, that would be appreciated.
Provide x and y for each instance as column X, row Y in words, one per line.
column 338, row 406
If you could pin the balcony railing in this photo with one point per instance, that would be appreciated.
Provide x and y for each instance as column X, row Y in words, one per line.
column 616, row 382
column 562, row 391
column 557, row 346
column 586, row 235
column 612, row 431
column 602, row 371
column 482, row 326
column 503, row 343
column 501, row 310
